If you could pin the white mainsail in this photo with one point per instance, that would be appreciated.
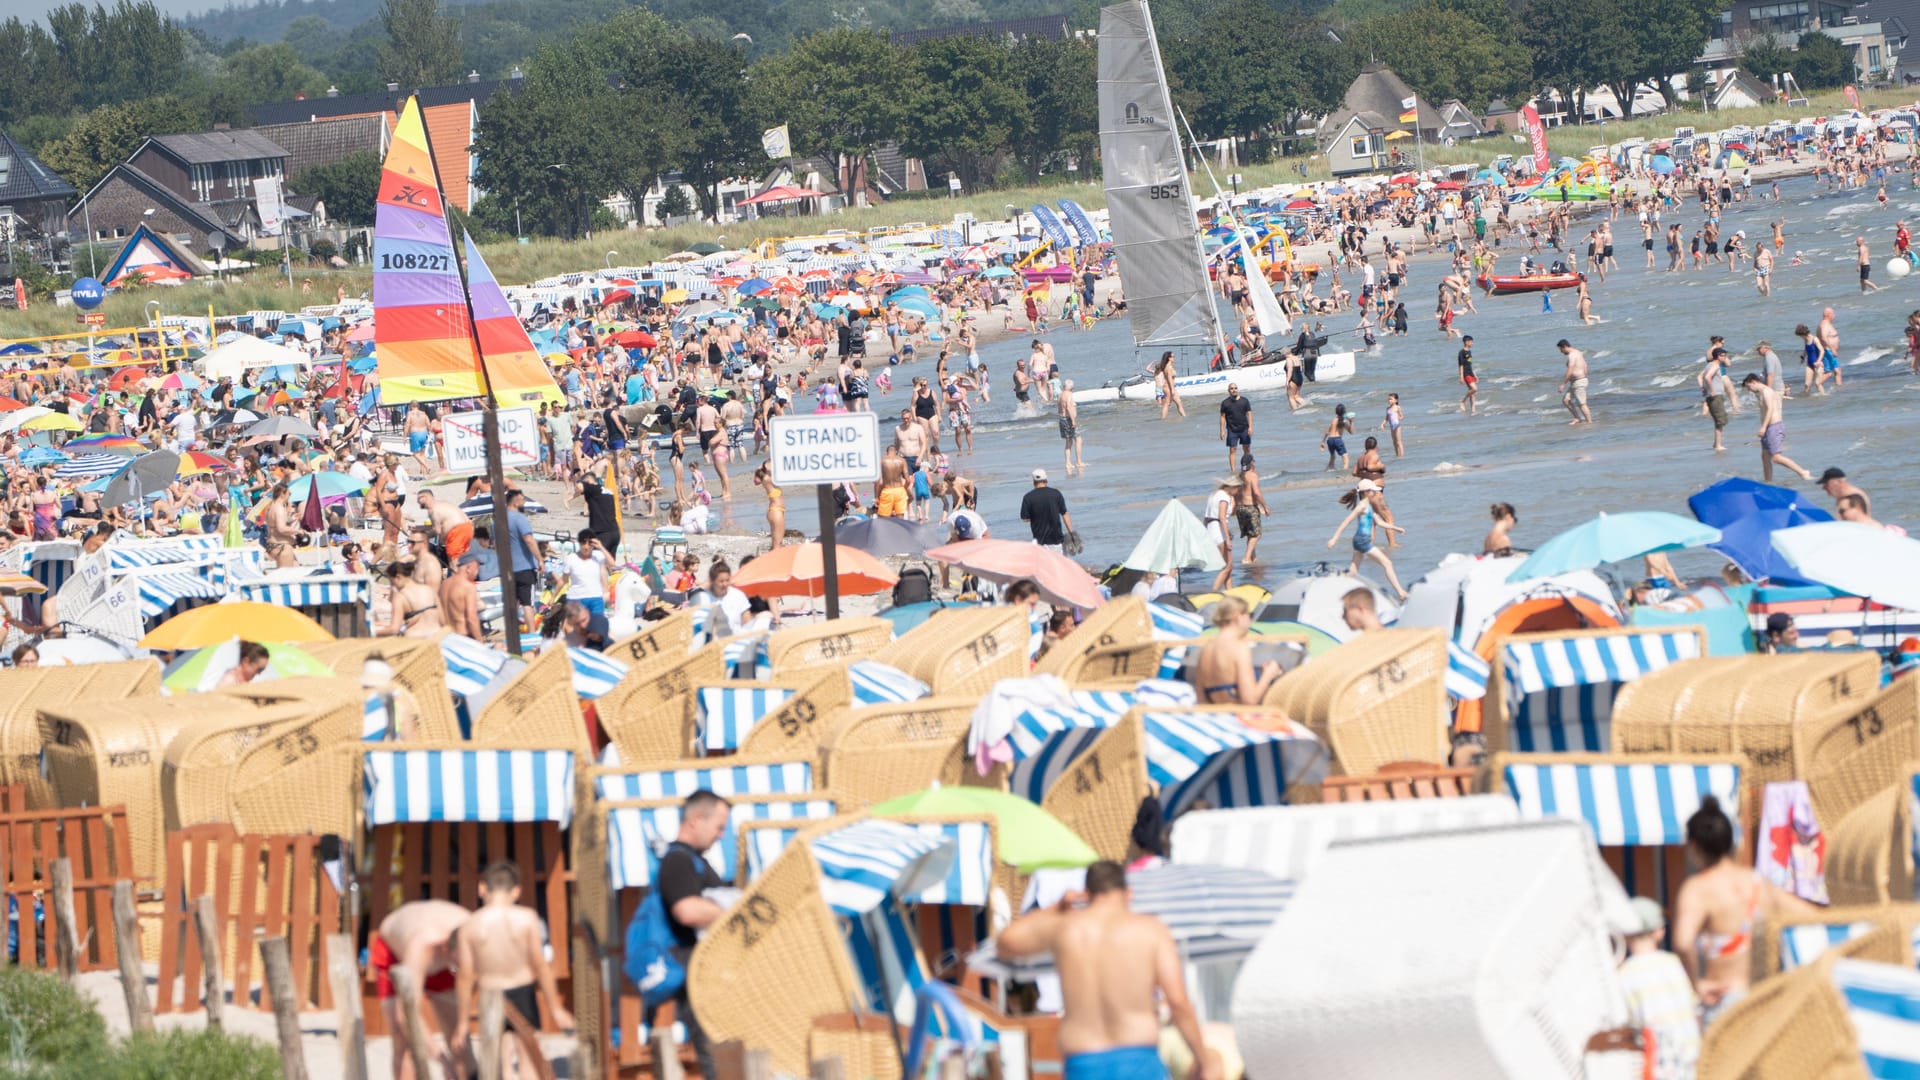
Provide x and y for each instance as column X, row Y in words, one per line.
column 1266, row 306
column 1156, row 234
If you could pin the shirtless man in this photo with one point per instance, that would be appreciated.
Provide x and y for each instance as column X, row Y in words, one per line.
column 892, row 499
column 501, row 948
column 911, row 439
column 1773, row 429
column 460, row 598
column 451, row 526
column 428, row 570
column 1111, row 963
column 1864, row 256
column 1573, row 384
column 418, row 435
column 1829, row 337
column 1070, row 428
column 1249, row 506
column 418, row 934
column 1835, row 483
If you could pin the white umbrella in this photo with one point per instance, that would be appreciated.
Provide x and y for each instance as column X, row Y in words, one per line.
column 248, row 354
column 9, row 421
column 1854, row 558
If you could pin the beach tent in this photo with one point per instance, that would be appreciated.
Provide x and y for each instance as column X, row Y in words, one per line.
column 1555, row 691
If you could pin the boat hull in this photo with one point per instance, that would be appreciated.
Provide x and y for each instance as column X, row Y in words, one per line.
column 1504, row 285
column 1259, row 378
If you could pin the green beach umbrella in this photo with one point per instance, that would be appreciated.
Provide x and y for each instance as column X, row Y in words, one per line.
column 1318, row 641
column 202, row 668
column 1028, row 837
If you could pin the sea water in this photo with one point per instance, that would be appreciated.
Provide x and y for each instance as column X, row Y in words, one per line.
column 1647, row 450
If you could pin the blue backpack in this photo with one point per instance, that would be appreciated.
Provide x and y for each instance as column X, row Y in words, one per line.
column 650, row 960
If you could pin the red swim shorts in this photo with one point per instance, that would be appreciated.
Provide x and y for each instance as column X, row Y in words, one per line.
column 381, row 960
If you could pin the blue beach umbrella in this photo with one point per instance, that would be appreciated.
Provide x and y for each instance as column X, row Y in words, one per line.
column 1748, row 513
column 917, row 305
column 1612, row 538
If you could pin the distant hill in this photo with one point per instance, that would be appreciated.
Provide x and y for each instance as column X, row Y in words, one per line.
column 267, row 21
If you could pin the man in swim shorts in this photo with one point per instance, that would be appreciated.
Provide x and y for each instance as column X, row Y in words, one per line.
column 892, row 500
column 1112, row 962
column 1573, row 385
column 1773, row 429
column 502, row 948
column 418, row 934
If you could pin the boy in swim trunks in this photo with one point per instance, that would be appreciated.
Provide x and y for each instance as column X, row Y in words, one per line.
column 418, row 934
column 501, row 948
column 1773, row 429
column 1112, row 963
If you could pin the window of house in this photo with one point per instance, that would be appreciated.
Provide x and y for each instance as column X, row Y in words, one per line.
column 1362, row 147
column 201, row 177
column 1873, row 58
column 236, row 179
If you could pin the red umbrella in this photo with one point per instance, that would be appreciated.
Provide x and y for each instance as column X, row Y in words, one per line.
column 1061, row 580
column 363, row 332
column 1302, row 204
column 313, row 516
column 781, row 193
column 1405, row 178
column 634, row 339
column 1447, row 185
column 617, row 296
column 7, row 404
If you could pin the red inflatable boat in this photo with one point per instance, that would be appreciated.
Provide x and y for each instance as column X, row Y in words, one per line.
column 1502, row 284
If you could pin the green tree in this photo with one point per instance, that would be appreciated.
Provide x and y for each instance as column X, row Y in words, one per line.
column 110, row 134
column 1575, row 45
column 1822, row 63
column 967, row 102
column 1250, row 71
column 349, row 187
column 1062, row 119
column 840, row 90
column 263, row 73
column 714, row 113
column 1662, row 38
column 422, row 47
column 673, row 204
column 1443, row 52
column 1766, row 56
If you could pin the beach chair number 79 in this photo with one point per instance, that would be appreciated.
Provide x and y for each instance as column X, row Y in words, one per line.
column 1389, row 672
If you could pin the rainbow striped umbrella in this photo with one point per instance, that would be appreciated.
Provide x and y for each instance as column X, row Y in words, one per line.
column 104, row 444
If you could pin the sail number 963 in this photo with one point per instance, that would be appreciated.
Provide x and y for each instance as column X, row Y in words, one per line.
column 411, row 260
column 1163, row 191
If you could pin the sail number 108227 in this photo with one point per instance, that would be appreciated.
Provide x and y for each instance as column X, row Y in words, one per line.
column 411, row 260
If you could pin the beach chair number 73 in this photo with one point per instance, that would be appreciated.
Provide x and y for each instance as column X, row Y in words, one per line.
column 1865, row 723
column 755, row 912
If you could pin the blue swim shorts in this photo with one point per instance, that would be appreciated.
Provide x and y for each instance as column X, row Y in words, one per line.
column 1119, row 1063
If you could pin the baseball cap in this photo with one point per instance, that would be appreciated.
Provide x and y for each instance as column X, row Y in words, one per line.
column 1832, row 473
column 963, row 526
column 1366, row 485
column 1039, row 475
column 1648, row 918
column 467, row 557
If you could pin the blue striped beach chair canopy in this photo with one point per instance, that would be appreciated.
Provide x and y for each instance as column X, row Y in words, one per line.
column 161, row 592
column 412, row 785
column 1883, row 1002
column 1626, row 805
column 725, row 715
column 312, row 590
column 1559, row 690
column 875, row 683
column 968, row 880
column 50, row 562
column 721, row 778
column 638, row 835
column 472, row 665
column 1173, row 624
column 867, row 862
column 1467, row 674
column 1802, row 944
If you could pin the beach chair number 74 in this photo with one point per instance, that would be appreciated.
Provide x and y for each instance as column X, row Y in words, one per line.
column 755, row 912
column 1866, row 722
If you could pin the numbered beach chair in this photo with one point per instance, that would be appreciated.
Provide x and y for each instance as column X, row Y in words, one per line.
column 297, row 720
column 1872, row 849
column 1794, row 941
column 671, row 636
column 778, row 717
column 1123, row 621
column 831, row 641
column 1636, row 807
column 436, row 816
column 647, row 716
column 1376, row 700
column 1859, row 749
column 963, row 651
column 877, row 752
column 417, row 665
column 1554, row 692
column 25, row 691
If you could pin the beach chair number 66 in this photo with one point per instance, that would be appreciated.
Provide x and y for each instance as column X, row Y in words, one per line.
column 1865, row 723
column 755, row 912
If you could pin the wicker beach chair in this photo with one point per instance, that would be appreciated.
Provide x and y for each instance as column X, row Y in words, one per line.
column 793, row 730
column 1756, row 707
column 1378, row 699
column 1139, row 660
column 295, row 718
column 831, row 641
column 1554, row 692
column 106, row 753
column 1098, row 795
column 1856, row 750
column 1797, row 1025
column 963, row 651
column 25, row 691
column 648, row 713
column 671, row 636
column 877, row 752
column 1870, row 857
column 1119, row 622
column 417, row 665
column 538, row 708
column 1796, row 940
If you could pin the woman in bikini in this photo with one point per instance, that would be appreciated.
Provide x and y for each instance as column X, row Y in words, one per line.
column 1224, row 673
column 1498, row 543
column 1714, row 912
column 415, row 608
column 776, row 504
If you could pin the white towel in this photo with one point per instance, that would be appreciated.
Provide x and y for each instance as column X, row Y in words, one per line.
column 993, row 717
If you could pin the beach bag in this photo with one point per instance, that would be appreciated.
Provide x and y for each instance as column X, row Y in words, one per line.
column 650, row 962
column 914, row 587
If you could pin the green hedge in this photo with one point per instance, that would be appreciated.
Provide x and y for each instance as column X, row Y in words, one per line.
column 50, row 1030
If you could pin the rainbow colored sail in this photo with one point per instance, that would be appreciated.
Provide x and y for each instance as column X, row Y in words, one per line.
column 514, row 369
column 422, row 330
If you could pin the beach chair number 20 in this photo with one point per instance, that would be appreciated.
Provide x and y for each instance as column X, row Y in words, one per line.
column 756, row 915
column 1865, row 723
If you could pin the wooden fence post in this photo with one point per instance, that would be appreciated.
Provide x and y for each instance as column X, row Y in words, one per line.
column 493, row 1024
column 407, row 992
column 126, row 947
column 666, row 1054
column 278, row 961
column 343, row 974
column 66, row 936
column 207, row 928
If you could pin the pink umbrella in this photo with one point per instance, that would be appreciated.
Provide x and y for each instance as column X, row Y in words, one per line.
column 1061, row 580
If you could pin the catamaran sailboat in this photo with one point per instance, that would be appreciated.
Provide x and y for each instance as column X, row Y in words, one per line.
column 1156, row 232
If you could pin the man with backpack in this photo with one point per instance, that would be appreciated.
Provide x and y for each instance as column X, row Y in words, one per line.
column 679, row 908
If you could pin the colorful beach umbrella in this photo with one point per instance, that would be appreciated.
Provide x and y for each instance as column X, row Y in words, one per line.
column 105, row 444
column 195, row 462
column 798, row 570
column 1613, row 538
column 330, row 485
column 1748, row 513
column 1026, row 837
column 203, row 668
column 52, row 421
column 1062, row 582
column 246, row 619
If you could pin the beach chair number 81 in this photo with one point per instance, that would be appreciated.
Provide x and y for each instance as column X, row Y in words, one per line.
column 755, row 912
column 1864, row 724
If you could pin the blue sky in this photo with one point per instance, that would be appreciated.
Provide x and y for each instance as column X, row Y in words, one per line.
column 33, row 9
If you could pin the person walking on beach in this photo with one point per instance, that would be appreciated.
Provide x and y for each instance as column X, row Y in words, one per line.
column 1716, row 391
column 1864, row 257
column 1660, row 996
column 1249, row 506
column 1773, row 429
column 1069, row 427
column 1333, row 440
column 501, row 948
column 1469, row 401
column 1366, row 511
column 1763, row 269
column 1162, row 372
column 892, row 499
column 1392, row 424
column 1044, row 510
column 1117, row 968
column 683, row 879
column 1236, row 423
column 1829, row 336
column 1816, row 374
column 1573, row 384
column 419, row 936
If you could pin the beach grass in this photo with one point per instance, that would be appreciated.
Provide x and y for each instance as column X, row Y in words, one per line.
column 265, row 289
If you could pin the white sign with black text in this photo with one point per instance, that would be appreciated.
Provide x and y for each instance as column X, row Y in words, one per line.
column 826, row 448
column 465, row 435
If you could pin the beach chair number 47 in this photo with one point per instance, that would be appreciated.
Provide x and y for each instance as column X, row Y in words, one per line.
column 1083, row 782
column 757, row 914
column 1866, row 723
